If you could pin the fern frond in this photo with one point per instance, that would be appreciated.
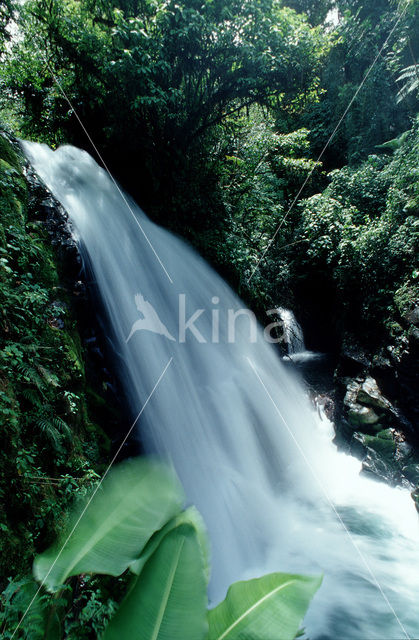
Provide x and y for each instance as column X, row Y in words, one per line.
column 30, row 374
column 32, row 396
column 408, row 73
column 62, row 427
column 53, row 427
column 411, row 77
column 49, row 430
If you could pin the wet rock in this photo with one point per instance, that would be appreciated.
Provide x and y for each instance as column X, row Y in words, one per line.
column 353, row 356
column 365, row 406
column 405, row 363
column 395, row 373
column 386, row 456
column 404, row 451
column 361, row 416
column 358, row 447
column 411, row 472
column 326, row 404
column 352, row 389
column 375, row 466
column 370, row 395
column 384, row 444
column 413, row 336
column 415, row 496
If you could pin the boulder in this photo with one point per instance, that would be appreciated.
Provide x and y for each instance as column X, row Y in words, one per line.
column 384, row 444
column 363, row 416
column 360, row 416
column 364, row 403
column 370, row 395
column 352, row 388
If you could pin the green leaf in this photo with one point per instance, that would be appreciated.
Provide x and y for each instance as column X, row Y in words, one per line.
column 192, row 517
column 168, row 600
column 267, row 608
column 135, row 500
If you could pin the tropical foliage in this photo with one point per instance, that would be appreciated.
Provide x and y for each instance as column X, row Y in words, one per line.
column 134, row 520
column 362, row 233
column 42, row 381
column 281, row 138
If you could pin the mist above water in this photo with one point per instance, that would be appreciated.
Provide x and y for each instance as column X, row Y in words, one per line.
column 253, row 456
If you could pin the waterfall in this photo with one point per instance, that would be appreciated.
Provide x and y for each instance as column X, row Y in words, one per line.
column 274, row 492
column 293, row 333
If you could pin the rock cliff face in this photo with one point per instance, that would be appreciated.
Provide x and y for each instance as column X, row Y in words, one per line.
column 376, row 427
column 374, row 399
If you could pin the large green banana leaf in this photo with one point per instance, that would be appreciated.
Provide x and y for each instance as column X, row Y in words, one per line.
column 267, row 608
column 168, row 600
column 190, row 516
column 135, row 500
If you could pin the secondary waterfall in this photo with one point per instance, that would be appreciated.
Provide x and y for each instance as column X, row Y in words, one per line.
column 253, row 457
column 293, row 334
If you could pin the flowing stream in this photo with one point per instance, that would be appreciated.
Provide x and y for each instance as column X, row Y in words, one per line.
column 253, row 456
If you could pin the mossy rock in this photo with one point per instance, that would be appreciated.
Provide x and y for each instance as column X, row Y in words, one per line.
column 9, row 153
column 386, row 434
column 383, row 443
column 360, row 416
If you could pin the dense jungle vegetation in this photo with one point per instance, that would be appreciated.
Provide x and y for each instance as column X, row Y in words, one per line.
column 228, row 122
column 213, row 116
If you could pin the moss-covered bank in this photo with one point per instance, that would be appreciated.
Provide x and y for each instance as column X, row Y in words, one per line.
column 51, row 447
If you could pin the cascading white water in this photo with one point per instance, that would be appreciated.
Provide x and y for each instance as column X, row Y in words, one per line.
column 293, row 334
column 253, row 457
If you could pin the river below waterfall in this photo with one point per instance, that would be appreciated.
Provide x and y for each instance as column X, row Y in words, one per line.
column 251, row 452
